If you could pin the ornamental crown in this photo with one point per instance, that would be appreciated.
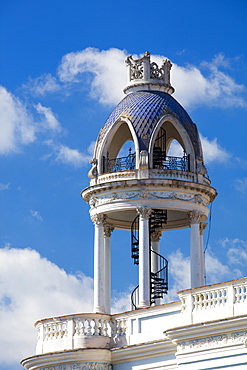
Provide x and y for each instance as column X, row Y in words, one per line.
column 144, row 74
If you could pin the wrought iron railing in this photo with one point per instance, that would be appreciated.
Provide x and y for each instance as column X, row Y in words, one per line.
column 159, row 279
column 163, row 161
column 177, row 163
column 120, row 163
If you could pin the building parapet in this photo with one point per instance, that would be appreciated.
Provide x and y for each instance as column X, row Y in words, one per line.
column 150, row 174
column 214, row 302
column 91, row 330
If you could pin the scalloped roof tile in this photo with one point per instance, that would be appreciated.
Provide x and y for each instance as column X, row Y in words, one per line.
column 144, row 109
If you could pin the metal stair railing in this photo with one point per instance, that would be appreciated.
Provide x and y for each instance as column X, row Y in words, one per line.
column 159, row 279
column 135, row 240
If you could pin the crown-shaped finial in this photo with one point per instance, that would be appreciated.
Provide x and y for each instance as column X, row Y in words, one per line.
column 146, row 75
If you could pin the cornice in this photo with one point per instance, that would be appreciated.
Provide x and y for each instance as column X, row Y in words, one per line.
column 60, row 358
column 142, row 351
column 94, row 190
column 210, row 328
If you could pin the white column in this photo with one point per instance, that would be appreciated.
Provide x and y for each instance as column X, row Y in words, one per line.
column 99, row 270
column 144, row 257
column 107, row 236
column 155, row 259
column 155, row 243
column 203, row 226
column 196, row 262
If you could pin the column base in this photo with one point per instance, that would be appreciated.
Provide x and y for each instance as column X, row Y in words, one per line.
column 144, row 304
column 99, row 309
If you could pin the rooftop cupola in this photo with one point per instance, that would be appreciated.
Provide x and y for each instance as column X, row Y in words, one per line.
column 138, row 183
column 142, row 75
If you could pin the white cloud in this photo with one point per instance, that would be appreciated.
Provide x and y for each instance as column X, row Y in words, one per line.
column 205, row 84
column 107, row 68
column 18, row 124
column 179, row 272
column 4, row 186
column 212, row 151
column 36, row 214
column 50, row 121
column 42, row 85
column 17, row 127
column 236, row 251
column 216, row 271
column 241, row 184
column 33, row 288
column 73, row 157
column 121, row 301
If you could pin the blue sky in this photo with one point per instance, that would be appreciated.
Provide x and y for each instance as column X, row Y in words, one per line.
column 61, row 73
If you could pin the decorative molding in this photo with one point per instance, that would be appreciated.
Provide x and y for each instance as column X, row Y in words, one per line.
column 239, row 337
column 203, row 226
column 143, row 163
column 58, row 367
column 81, row 366
column 145, row 194
column 195, row 217
column 108, row 229
column 98, row 219
column 91, row 366
column 144, row 212
column 155, row 236
column 208, row 341
column 203, row 342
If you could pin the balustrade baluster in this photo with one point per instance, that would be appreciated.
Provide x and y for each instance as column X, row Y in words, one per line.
column 105, row 328
column 97, row 327
column 89, row 327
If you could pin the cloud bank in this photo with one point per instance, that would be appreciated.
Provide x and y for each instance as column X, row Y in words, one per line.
column 205, row 84
column 33, row 288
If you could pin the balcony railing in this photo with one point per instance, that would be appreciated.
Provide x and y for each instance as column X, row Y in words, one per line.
column 167, row 162
column 120, row 163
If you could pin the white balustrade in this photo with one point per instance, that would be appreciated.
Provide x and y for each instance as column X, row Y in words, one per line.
column 210, row 299
column 217, row 301
column 240, row 293
column 203, row 304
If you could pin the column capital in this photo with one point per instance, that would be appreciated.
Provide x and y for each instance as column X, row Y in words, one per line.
column 195, row 217
column 203, row 226
column 108, row 229
column 98, row 219
column 144, row 212
column 155, row 236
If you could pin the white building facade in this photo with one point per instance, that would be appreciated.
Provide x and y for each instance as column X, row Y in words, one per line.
column 148, row 192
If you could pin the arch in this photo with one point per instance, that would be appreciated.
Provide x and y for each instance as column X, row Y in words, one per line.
column 120, row 132
column 174, row 148
column 174, row 130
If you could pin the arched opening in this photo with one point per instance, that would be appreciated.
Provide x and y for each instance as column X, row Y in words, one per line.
column 119, row 154
column 169, row 150
column 175, row 149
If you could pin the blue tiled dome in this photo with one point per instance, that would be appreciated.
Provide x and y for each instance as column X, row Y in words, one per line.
column 144, row 109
